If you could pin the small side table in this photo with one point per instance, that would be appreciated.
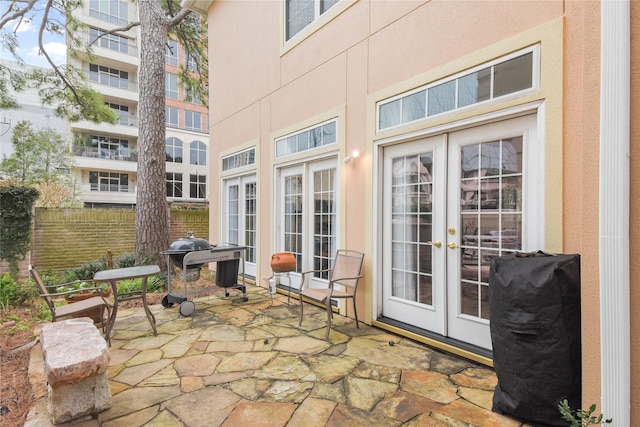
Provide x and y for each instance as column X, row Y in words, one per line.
column 117, row 274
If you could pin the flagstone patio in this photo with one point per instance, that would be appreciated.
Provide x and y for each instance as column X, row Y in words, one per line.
column 235, row 363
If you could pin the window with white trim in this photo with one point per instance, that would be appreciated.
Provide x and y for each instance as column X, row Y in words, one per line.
column 301, row 13
column 108, row 76
column 173, row 150
column 198, row 186
column 170, row 85
column 106, row 147
column 108, row 41
column 171, row 116
column 190, row 61
column 506, row 76
column 238, row 160
column 198, row 153
column 193, row 120
column 191, row 95
column 122, row 113
column 109, row 181
column 171, row 52
column 308, row 139
column 113, row 11
column 174, row 184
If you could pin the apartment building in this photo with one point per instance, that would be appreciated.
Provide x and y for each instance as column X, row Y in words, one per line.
column 106, row 154
column 483, row 128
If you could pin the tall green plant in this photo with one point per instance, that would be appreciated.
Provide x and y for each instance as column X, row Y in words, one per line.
column 580, row 417
column 16, row 215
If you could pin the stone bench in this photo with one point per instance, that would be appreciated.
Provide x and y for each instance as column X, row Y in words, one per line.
column 76, row 358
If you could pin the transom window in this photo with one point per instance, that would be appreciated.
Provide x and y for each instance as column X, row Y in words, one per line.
column 508, row 75
column 198, row 153
column 300, row 13
column 171, row 116
column 318, row 136
column 109, row 41
column 171, row 52
column 198, row 186
column 173, row 150
column 193, row 120
column 109, row 181
column 170, row 85
column 113, row 11
column 238, row 160
column 108, row 76
column 174, row 184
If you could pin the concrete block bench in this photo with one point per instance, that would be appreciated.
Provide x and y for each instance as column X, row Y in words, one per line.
column 76, row 358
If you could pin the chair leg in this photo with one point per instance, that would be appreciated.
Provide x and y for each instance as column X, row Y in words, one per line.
column 355, row 312
column 301, row 307
column 329, row 316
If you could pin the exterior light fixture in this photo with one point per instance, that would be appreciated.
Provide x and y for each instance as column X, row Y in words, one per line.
column 354, row 155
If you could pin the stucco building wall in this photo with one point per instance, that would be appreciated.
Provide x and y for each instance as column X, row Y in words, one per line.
column 341, row 65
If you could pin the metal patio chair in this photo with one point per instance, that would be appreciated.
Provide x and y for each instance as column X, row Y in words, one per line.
column 346, row 274
column 80, row 308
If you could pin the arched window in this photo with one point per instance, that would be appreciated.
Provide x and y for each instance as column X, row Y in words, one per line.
column 173, row 150
column 198, row 153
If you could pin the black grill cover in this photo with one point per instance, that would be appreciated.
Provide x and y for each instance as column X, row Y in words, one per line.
column 534, row 301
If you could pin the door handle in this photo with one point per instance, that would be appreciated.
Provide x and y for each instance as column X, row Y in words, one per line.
column 452, row 245
column 437, row 244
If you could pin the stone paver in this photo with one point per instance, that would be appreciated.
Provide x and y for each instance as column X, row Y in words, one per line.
column 237, row 363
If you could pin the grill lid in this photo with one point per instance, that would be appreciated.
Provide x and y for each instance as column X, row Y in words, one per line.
column 188, row 244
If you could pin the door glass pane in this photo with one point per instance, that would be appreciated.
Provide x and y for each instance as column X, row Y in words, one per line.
column 323, row 220
column 293, row 217
column 491, row 215
column 250, row 227
column 411, row 264
column 233, row 214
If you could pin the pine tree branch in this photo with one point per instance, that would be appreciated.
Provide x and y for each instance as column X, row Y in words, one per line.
column 19, row 13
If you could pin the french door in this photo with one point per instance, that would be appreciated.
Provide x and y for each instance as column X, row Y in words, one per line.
column 307, row 221
column 240, row 217
column 451, row 203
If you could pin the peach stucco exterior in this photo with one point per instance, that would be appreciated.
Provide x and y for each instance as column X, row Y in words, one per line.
column 364, row 51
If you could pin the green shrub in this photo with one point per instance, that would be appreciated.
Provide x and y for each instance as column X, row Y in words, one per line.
column 125, row 260
column 26, row 292
column 85, row 271
column 157, row 283
column 43, row 312
column 8, row 289
column 154, row 284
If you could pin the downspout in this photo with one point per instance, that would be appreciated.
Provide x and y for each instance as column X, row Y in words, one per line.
column 615, row 323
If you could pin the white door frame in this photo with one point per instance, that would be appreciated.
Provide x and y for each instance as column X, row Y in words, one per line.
column 537, row 188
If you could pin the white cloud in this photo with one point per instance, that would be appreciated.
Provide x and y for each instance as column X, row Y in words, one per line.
column 23, row 26
column 56, row 50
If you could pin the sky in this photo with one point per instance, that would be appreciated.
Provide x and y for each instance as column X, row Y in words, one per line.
column 27, row 34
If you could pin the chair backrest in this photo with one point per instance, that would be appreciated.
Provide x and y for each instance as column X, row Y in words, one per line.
column 43, row 289
column 347, row 263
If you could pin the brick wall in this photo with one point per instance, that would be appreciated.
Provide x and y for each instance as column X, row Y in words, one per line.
column 67, row 238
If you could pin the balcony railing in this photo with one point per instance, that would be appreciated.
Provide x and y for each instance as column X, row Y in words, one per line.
column 129, row 48
column 111, row 81
column 103, row 153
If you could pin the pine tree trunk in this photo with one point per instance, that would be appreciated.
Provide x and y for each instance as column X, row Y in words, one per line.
column 152, row 215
